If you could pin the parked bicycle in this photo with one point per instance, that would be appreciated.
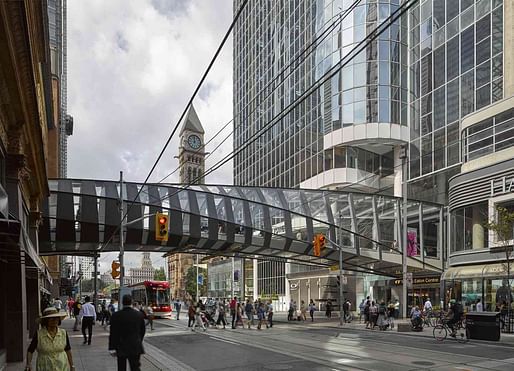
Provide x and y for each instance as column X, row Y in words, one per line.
column 460, row 333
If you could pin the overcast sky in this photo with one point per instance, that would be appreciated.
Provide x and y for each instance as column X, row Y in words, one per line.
column 132, row 67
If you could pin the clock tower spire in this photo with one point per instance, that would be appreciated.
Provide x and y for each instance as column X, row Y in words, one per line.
column 191, row 154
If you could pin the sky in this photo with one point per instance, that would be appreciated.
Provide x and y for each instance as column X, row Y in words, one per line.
column 132, row 67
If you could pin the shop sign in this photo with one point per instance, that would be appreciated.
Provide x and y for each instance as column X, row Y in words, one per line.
column 501, row 186
column 419, row 281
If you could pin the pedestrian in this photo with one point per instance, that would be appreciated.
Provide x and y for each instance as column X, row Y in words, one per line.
column 303, row 311
column 191, row 314
column 58, row 304
column 367, row 305
column 105, row 313
column 390, row 315
column 270, row 314
column 149, row 315
column 291, row 310
column 479, row 306
column 240, row 312
column 69, row 305
column 198, row 318
column 221, row 314
column 382, row 316
column 373, row 315
column 52, row 344
column 126, row 336
column 261, row 315
column 88, row 317
column 76, row 313
column 249, row 313
column 361, row 310
column 233, row 308
column 312, row 308
column 346, row 309
column 328, row 309
column 396, row 309
column 178, row 307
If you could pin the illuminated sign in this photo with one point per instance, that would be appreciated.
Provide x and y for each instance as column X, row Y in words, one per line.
column 420, row 281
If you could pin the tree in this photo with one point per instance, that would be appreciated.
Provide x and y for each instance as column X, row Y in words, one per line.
column 503, row 229
column 88, row 285
column 191, row 282
column 159, row 274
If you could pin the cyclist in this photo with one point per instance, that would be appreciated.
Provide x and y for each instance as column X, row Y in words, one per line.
column 415, row 318
column 454, row 315
column 428, row 306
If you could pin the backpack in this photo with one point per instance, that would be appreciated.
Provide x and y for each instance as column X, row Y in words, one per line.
column 381, row 310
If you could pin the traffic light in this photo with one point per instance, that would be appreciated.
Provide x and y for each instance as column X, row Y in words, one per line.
column 316, row 247
column 321, row 241
column 338, row 281
column 115, row 266
column 318, row 243
column 161, row 227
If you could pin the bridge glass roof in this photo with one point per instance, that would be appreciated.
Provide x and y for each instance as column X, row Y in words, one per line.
column 82, row 217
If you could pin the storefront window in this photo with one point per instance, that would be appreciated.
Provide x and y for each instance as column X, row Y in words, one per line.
column 468, row 228
column 497, row 293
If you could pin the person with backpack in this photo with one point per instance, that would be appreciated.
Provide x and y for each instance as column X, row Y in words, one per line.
column 346, row 308
column 76, row 311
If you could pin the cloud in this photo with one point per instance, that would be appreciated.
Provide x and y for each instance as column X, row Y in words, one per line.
column 132, row 66
column 131, row 260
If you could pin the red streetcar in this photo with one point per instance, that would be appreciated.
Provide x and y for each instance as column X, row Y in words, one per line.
column 153, row 293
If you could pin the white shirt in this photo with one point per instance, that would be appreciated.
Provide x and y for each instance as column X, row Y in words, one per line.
column 428, row 305
column 480, row 308
column 88, row 310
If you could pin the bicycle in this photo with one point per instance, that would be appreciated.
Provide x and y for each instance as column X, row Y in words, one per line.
column 441, row 331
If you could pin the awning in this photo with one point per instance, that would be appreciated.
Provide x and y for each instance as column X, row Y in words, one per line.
column 476, row 271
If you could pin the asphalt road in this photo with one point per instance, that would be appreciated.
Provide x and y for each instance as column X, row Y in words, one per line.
column 289, row 347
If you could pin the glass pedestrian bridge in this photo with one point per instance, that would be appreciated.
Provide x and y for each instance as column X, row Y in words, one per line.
column 82, row 217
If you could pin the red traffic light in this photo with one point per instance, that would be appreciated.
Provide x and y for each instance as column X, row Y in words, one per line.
column 162, row 220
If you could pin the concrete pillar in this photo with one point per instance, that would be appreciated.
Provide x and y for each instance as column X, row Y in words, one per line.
column 478, row 229
column 255, row 277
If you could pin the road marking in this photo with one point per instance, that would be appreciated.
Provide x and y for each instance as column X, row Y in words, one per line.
column 223, row 340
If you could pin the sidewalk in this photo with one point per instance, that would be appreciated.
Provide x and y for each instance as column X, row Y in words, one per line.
column 95, row 356
column 321, row 321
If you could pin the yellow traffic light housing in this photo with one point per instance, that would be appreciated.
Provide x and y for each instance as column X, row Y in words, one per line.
column 321, row 241
column 318, row 243
column 161, row 227
column 316, row 247
column 115, row 266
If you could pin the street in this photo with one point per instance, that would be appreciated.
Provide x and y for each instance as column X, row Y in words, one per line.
column 308, row 347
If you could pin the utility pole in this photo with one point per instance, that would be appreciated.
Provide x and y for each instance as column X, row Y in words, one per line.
column 122, row 243
column 233, row 267
column 341, row 280
column 95, row 287
column 197, row 276
column 404, row 240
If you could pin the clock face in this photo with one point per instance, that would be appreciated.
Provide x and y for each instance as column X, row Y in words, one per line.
column 194, row 141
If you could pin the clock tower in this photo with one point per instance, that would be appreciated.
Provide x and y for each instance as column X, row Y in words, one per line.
column 191, row 155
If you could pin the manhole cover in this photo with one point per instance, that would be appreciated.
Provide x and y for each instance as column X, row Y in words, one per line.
column 278, row 367
column 423, row 363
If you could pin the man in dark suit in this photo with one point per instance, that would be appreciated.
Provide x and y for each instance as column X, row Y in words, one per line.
column 126, row 337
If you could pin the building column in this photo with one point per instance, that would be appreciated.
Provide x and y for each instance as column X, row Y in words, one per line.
column 398, row 171
column 478, row 229
column 255, row 277
column 508, row 26
column 15, row 322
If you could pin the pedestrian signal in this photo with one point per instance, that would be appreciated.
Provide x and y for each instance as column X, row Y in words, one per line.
column 161, row 227
column 338, row 281
column 115, row 266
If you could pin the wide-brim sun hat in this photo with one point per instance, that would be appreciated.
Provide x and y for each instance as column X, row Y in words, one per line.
column 52, row 312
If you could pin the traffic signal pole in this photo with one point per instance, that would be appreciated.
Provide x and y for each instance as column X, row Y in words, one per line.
column 341, row 291
column 122, row 242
